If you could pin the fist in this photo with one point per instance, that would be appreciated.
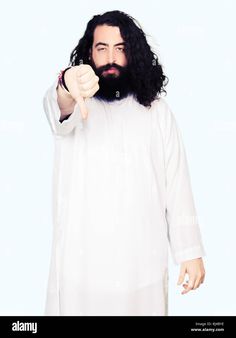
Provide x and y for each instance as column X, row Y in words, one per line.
column 81, row 81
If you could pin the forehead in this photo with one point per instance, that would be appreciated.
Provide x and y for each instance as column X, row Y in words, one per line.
column 107, row 34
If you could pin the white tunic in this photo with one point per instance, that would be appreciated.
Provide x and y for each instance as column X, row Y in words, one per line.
column 121, row 193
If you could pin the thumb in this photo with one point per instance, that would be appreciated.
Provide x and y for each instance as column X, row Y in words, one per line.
column 181, row 275
column 82, row 107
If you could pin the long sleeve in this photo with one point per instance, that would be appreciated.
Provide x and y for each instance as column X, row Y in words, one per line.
column 53, row 114
column 183, row 229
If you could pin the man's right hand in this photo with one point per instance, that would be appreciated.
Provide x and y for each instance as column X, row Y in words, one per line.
column 82, row 82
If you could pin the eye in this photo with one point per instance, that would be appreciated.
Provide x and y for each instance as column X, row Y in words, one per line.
column 101, row 49
column 120, row 49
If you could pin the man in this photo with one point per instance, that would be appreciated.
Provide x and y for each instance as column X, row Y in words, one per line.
column 121, row 187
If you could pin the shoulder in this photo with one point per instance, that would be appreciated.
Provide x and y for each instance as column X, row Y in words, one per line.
column 162, row 113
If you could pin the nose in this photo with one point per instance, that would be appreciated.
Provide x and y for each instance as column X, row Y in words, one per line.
column 111, row 56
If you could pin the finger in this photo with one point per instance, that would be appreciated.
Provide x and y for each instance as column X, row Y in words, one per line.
column 94, row 90
column 82, row 107
column 181, row 275
column 197, row 283
column 189, row 287
column 203, row 278
column 86, row 77
column 90, row 84
column 83, row 69
column 90, row 92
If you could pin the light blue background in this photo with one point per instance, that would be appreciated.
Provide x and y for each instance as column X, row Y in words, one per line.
column 195, row 43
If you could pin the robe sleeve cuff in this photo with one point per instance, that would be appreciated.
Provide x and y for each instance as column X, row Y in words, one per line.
column 188, row 254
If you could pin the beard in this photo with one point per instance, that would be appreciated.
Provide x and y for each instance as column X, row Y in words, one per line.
column 112, row 86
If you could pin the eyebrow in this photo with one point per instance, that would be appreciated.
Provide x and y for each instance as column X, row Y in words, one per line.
column 107, row 44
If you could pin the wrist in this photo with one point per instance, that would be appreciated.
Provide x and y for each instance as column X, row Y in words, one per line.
column 61, row 81
column 65, row 102
column 63, row 93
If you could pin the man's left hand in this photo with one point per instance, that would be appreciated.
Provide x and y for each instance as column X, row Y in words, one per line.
column 194, row 268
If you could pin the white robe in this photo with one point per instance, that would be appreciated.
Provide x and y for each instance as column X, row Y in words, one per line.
column 121, row 193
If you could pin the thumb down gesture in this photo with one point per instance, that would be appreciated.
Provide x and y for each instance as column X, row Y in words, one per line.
column 82, row 82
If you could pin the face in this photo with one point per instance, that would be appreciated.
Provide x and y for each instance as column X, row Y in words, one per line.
column 108, row 48
column 109, row 62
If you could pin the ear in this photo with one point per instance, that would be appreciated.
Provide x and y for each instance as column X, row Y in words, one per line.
column 90, row 53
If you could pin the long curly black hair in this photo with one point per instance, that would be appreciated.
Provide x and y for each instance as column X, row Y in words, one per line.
column 148, row 79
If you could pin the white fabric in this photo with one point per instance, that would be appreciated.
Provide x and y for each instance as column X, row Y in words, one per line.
column 121, row 192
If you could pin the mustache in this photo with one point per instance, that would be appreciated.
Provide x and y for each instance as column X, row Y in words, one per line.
column 108, row 66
